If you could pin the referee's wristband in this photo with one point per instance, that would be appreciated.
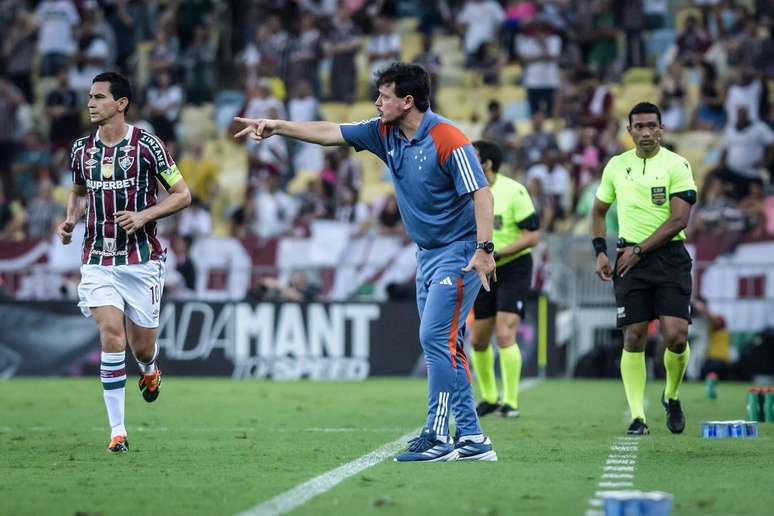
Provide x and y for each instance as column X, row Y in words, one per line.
column 600, row 245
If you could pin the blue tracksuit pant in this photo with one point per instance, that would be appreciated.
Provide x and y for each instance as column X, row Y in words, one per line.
column 445, row 296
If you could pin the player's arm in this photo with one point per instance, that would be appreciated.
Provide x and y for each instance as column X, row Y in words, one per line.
column 179, row 197
column 75, row 209
column 321, row 133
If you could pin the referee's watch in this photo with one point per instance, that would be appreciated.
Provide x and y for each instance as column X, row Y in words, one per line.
column 638, row 252
column 487, row 246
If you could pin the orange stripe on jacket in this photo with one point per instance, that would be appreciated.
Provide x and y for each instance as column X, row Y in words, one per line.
column 453, row 333
column 383, row 129
column 447, row 139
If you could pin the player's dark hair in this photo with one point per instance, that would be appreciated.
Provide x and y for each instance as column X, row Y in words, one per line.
column 119, row 86
column 488, row 150
column 645, row 107
column 409, row 79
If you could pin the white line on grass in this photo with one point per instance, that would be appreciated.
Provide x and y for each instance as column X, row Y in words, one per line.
column 302, row 493
column 618, row 471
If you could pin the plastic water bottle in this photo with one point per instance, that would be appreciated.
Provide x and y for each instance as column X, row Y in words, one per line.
column 711, row 386
column 754, row 409
column 768, row 405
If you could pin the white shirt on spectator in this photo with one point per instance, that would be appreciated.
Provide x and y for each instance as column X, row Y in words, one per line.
column 540, row 74
column 56, row 19
column 383, row 44
column 555, row 182
column 748, row 96
column 744, row 148
column 308, row 156
column 195, row 222
column 274, row 213
column 169, row 100
column 482, row 20
column 81, row 77
column 262, row 108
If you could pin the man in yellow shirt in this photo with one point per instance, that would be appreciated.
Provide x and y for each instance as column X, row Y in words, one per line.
column 501, row 309
column 655, row 191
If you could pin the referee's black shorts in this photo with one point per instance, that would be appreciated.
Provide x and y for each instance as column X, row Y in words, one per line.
column 660, row 284
column 509, row 292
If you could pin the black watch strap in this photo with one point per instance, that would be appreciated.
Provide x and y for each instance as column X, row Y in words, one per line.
column 486, row 245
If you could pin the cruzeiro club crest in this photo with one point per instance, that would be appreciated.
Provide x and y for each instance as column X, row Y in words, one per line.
column 126, row 160
column 107, row 167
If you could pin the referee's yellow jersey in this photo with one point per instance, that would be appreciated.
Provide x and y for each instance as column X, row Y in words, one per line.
column 512, row 204
column 643, row 188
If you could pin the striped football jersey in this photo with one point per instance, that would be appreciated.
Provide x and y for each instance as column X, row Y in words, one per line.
column 117, row 178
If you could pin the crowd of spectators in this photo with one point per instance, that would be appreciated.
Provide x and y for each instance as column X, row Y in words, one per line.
column 286, row 58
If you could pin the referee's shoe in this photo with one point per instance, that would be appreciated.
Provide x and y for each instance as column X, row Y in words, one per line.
column 675, row 419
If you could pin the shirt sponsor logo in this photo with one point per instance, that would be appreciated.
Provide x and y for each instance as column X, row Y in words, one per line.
column 157, row 151
column 658, row 195
column 92, row 150
column 110, row 185
column 122, row 252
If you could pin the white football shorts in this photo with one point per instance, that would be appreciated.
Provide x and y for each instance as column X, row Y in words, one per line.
column 134, row 289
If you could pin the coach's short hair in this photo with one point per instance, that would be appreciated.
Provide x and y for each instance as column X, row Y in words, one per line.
column 645, row 107
column 409, row 79
column 119, row 86
column 489, row 150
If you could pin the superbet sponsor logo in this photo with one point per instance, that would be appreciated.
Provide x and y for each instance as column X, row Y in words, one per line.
column 110, row 185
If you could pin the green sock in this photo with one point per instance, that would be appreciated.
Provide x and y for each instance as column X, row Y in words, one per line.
column 483, row 365
column 634, row 375
column 510, row 371
column 675, row 365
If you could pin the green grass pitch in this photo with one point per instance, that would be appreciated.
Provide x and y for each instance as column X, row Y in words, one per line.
column 220, row 447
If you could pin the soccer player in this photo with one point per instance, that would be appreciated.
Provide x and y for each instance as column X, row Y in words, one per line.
column 501, row 309
column 655, row 191
column 122, row 277
column 446, row 208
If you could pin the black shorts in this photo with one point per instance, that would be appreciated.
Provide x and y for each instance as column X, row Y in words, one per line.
column 509, row 292
column 660, row 284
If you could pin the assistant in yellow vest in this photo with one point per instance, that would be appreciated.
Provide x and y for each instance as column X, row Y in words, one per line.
column 500, row 310
column 654, row 189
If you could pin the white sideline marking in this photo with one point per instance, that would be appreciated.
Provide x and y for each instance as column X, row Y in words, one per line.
column 622, row 460
column 615, row 484
column 617, row 475
column 618, row 468
column 302, row 493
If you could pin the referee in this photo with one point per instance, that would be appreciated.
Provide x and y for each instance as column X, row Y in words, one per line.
column 501, row 309
column 655, row 190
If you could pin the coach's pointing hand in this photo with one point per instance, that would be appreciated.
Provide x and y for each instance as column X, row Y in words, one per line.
column 257, row 128
column 130, row 221
column 65, row 231
column 484, row 264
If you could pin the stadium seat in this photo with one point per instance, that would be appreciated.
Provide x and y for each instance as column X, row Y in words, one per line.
column 631, row 94
column 638, row 75
column 197, row 123
column 683, row 14
column 334, row 111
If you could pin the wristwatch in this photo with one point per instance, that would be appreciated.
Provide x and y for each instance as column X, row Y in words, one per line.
column 487, row 246
column 638, row 252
